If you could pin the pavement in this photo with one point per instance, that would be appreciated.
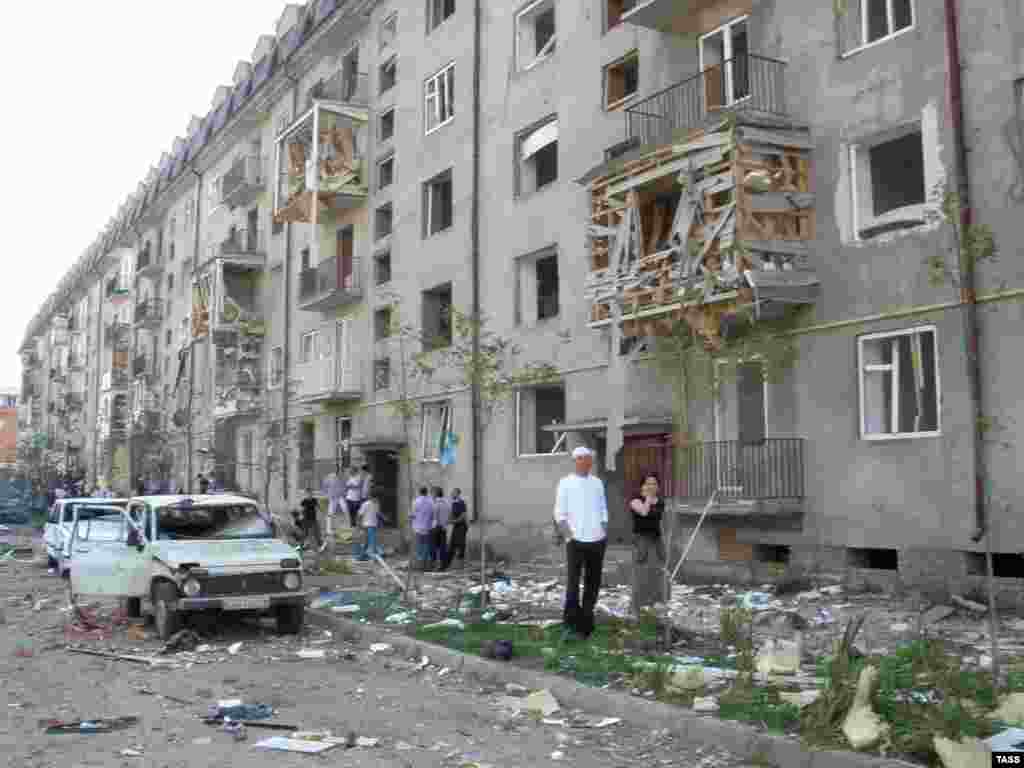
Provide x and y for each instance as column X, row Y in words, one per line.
column 409, row 713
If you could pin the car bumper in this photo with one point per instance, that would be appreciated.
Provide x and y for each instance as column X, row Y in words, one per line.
column 243, row 602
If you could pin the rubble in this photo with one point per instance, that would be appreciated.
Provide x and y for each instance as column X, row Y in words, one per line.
column 780, row 656
column 862, row 726
column 968, row 753
column 970, row 605
column 1010, row 710
column 543, row 702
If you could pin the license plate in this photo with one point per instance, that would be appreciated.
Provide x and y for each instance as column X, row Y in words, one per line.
column 246, row 603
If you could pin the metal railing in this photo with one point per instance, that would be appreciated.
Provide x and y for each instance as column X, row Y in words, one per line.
column 773, row 469
column 243, row 240
column 749, row 83
column 328, row 277
column 350, row 87
column 148, row 310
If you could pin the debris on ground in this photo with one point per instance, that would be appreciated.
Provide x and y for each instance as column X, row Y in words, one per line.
column 97, row 725
column 234, row 709
column 542, row 701
column 968, row 753
column 863, row 727
column 185, row 640
column 970, row 605
column 780, row 657
column 307, row 743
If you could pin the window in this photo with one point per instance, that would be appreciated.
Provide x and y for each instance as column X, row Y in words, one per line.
column 537, row 157
column 388, row 74
column 383, row 221
column 382, row 323
column 439, row 99
column 437, row 204
column 536, row 408
column 305, row 259
column 437, row 316
column 547, row 287
column 382, row 267
column 276, row 367
column 621, row 80
column 899, row 384
column 170, row 252
column 724, row 56
column 437, row 422
column 170, row 282
column 437, row 12
column 616, row 9
column 167, row 337
column 888, row 183
column 247, row 456
column 381, row 374
column 310, row 347
column 386, row 127
column 388, row 32
column 871, row 21
column 385, row 172
column 535, row 34
column 343, row 440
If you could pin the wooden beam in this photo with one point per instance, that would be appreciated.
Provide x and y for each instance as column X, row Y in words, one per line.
column 779, row 202
column 776, row 138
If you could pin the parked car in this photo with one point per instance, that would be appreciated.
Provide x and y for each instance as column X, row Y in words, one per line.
column 97, row 525
column 62, row 518
column 177, row 554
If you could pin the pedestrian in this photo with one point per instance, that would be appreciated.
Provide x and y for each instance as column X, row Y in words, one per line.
column 310, row 524
column 582, row 510
column 460, row 525
column 353, row 495
column 367, row 483
column 140, row 487
column 442, row 511
column 204, row 484
column 369, row 518
column 334, row 488
column 423, row 527
column 648, row 509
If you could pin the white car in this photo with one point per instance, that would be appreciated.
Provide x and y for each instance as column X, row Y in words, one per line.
column 98, row 525
column 62, row 518
column 176, row 554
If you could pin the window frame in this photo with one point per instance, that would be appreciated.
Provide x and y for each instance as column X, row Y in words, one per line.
column 444, row 85
column 380, row 124
column 377, row 236
column 520, row 139
column 377, row 260
column 561, row 440
column 612, row 106
column 390, row 20
column 389, row 62
column 428, row 203
column 447, row 420
column 314, row 348
column 552, row 256
column 378, row 313
column 388, row 158
column 381, row 363
column 863, row 31
column 894, row 369
column 608, row 26
column 432, row 21
column 275, row 362
column 538, row 58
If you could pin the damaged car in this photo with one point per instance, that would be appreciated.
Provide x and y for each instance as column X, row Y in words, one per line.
column 176, row 555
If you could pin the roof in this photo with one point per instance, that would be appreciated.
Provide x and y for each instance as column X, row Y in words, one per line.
column 198, row 500
column 92, row 500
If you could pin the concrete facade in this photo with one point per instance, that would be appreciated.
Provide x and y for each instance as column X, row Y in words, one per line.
column 905, row 493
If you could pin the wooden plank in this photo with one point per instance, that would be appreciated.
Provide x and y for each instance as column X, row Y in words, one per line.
column 792, row 247
column 779, row 202
column 776, row 137
column 717, row 183
column 711, row 139
column 647, row 176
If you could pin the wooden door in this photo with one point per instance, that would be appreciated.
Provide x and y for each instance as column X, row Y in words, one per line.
column 640, row 456
column 345, row 257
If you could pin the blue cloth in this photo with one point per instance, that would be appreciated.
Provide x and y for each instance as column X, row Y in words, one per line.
column 424, row 546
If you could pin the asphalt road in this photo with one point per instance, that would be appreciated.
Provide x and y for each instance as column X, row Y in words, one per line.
column 419, row 715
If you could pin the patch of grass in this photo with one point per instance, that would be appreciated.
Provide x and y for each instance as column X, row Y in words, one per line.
column 759, row 705
column 334, row 567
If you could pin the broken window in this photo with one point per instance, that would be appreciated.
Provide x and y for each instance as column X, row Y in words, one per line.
column 381, row 374
column 382, row 323
column 383, row 220
column 439, row 99
column 616, row 9
column 538, row 157
column 276, row 367
column 382, row 267
column 437, row 319
column 437, row 422
column 437, row 204
column 536, row 408
column 386, row 128
column 868, row 21
column 535, row 33
column 899, row 384
column 388, row 74
column 621, row 80
column 889, row 184
column 547, row 287
column 437, row 12
column 388, row 31
column 385, row 172
column 221, row 522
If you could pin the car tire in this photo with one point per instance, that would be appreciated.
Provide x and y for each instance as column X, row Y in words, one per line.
column 165, row 610
column 290, row 619
column 132, row 607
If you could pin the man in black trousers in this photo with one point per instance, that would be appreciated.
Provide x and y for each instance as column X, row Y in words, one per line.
column 581, row 513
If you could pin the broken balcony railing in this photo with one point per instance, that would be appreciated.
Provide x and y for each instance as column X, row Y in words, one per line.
column 333, row 276
column 750, row 83
column 772, row 469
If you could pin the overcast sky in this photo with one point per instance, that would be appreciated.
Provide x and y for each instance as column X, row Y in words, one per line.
column 96, row 92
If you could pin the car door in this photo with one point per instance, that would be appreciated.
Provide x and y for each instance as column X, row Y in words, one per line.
column 67, row 517
column 112, row 568
column 52, row 524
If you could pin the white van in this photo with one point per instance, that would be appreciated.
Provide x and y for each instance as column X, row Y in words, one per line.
column 62, row 517
column 177, row 554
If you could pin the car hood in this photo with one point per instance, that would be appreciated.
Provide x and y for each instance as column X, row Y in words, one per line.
column 224, row 553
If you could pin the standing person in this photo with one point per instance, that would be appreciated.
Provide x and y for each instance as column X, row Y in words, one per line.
column 335, row 490
column 648, row 508
column 582, row 515
column 442, row 511
column 369, row 518
column 204, row 484
column 310, row 524
column 460, row 525
column 423, row 526
column 353, row 495
column 140, row 487
column 367, row 483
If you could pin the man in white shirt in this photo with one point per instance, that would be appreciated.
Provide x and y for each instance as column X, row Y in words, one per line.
column 581, row 512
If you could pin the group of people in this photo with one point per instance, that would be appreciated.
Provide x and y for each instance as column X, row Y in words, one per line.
column 432, row 513
column 361, row 502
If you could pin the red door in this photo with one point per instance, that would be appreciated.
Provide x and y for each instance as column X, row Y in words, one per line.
column 642, row 454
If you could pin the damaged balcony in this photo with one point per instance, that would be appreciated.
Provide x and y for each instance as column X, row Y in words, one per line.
column 145, row 408
column 238, row 387
column 685, row 17
column 146, row 261
column 149, row 313
column 330, row 284
column 244, row 246
column 115, row 379
column 321, row 157
column 328, row 380
column 244, row 181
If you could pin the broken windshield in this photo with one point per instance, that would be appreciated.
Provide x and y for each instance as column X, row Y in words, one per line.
column 220, row 523
column 87, row 511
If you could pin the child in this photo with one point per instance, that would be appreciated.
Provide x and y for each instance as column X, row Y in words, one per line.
column 369, row 518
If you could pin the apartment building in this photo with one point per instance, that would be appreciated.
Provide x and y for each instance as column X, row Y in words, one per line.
column 632, row 167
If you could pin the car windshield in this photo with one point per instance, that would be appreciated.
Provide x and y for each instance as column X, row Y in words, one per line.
column 108, row 528
column 220, row 522
column 91, row 511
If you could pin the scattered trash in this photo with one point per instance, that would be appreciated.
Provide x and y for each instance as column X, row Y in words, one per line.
column 606, row 722
column 899, row 627
column 380, row 648
column 936, row 614
column 236, row 730
column 863, row 727
column 202, row 742
column 40, row 604
column 446, row 623
column 705, row 704
column 23, row 649
column 780, row 656
column 424, row 662
column 136, row 632
column 99, row 725
column 558, row 755
column 363, row 741
column 970, row 605
column 515, row 688
column 497, row 649
column 346, row 609
column 823, row 617
column 303, row 745
column 406, row 617
column 137, row 752
column 543, row 702
column 236, row 710
column 685, row 679
column 968, row 753
column 403, row 746
column 756, row 601
column 185, row 640
column 234, row 649
column 310, row 653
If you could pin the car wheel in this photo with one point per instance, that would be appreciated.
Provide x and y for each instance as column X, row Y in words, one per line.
column 165, row 608
column 132, row 607
column 290, row 619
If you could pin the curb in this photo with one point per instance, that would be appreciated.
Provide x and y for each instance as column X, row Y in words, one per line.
column 738, row 738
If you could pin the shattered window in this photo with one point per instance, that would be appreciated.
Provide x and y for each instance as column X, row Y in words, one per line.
column 897, row 173
column 622, row 79
column 899, row 384
column 387, row 125
column 535, row 33
column 538, row 157
column 438, row 12
column 537, row 408
column 212, row 523
column 388, row 74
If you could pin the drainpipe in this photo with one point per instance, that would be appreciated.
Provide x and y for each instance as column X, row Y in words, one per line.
column 475, row 268
column 191, row 343
column 96, row 384
column 968, row 298
column 286, row 351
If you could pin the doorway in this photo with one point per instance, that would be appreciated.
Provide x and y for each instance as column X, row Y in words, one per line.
column 724, row 60
column 642, row 454
column 384, row 467
column 741, row 420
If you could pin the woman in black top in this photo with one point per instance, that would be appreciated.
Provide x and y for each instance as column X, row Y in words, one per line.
column 648, row 508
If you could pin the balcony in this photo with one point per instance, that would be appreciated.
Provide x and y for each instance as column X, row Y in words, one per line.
column 750, row 83
column 750, row 478
column 147, row 262
column 329, row 380
column 685, row 17
column 142, row 365
column 244, row 182
column 116, row 334
column 114, row 379
column 330, row 284
column 341, row 87
column 246, row 246
column 149, row 313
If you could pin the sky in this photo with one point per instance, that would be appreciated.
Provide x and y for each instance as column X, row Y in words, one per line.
column 97, row 95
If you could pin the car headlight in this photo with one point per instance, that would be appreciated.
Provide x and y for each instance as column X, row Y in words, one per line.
column 292, row 581
column 191, row 588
